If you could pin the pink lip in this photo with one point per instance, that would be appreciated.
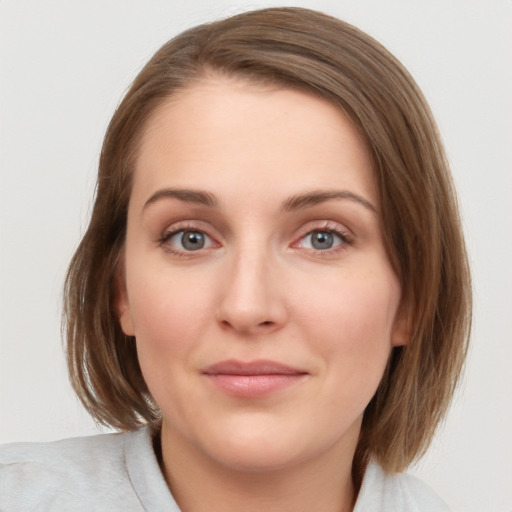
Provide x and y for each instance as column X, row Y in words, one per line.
column 252, row 379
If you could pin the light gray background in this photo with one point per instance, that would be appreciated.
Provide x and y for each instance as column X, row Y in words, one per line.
column 64, row 67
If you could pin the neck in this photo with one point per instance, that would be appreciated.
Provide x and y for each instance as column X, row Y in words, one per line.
column 199, row 483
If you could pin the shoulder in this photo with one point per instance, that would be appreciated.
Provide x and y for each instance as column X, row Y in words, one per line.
column 396, row 492
column 68, row 474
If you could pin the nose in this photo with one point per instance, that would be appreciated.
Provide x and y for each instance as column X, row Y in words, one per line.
column 251, row 298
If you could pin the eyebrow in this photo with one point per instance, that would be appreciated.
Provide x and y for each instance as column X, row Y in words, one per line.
column 309, row 199
column 295, row 202
column 186, row 195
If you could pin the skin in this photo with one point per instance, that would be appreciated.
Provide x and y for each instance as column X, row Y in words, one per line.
column 258, row 289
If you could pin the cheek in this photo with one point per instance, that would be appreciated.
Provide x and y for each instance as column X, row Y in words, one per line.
column 168, row 311
column 355, row 344
column 168, row 316
column 351, row 320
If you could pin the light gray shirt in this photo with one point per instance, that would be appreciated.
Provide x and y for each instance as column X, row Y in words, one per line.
column 120, row 473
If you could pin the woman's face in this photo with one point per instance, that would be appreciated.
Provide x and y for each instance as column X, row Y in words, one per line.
column 256, row 281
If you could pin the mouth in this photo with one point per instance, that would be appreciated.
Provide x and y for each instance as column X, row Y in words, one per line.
column 253, row 379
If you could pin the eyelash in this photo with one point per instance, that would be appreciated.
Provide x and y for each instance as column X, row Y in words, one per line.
column 181, row 228
column 346, row 239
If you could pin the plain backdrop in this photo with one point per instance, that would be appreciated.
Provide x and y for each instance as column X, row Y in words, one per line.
column 65, row 64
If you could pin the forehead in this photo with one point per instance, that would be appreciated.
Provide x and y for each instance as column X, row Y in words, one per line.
column 226, row 132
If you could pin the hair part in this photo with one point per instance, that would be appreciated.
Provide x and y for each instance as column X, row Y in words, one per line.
column 315, row 53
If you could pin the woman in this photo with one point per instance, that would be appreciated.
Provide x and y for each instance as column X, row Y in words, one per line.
column 272, row 298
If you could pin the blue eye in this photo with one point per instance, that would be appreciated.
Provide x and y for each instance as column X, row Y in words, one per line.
column 189, row 240
column 322, row 240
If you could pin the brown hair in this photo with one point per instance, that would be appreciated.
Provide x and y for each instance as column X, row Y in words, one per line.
column 313, row 52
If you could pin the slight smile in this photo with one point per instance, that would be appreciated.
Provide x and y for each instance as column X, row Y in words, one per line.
column 253, row 379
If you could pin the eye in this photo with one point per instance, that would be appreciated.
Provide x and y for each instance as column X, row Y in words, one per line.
column 322, row 240
column 184, row 240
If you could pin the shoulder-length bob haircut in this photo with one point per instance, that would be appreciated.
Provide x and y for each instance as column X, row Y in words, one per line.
column 318, row 54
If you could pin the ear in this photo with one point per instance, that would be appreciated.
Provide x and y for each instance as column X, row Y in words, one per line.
column 401, row 333
column 121, row 302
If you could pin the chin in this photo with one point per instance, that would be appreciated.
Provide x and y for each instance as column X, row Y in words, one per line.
column 258, row 446
column 257, row 457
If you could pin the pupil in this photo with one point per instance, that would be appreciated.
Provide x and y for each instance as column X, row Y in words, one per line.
column 322, row 240
column 192, row 240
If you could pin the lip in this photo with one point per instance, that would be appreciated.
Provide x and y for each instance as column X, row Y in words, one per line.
column 252, row 379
